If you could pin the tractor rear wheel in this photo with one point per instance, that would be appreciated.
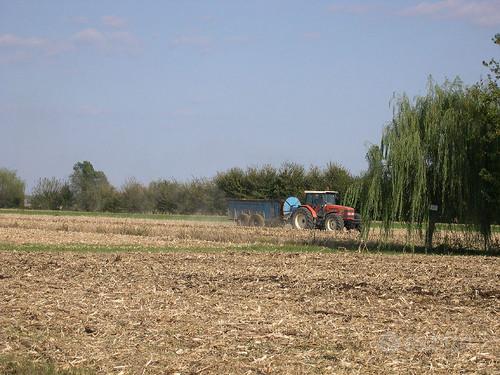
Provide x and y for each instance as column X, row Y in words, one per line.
column 334, row 222
column 257, row 220
column 243, row 219
column 302, row 219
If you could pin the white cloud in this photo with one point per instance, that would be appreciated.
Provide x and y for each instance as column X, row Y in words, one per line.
column 481, row 12
column 91, row 36
column 114, row 21
column 16, row 48
column 114, row 40
column 10, row 40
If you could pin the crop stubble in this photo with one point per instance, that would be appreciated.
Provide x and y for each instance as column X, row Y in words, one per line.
column 243, row 312
column 56, row 230
column 251, row 312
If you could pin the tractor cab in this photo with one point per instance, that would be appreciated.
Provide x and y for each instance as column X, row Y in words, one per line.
column 320, row 198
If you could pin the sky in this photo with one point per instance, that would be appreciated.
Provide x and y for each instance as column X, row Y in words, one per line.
column 183, row 89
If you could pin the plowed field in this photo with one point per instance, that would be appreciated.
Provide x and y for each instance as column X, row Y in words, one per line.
column 237, row 311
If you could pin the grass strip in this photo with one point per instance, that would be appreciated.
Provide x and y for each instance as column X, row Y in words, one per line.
column 257, row 248
column 265, row 248
column 206, row 218
column 16, row 365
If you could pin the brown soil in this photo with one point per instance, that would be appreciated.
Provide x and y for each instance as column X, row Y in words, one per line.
column 251, row 313
column 56, row 230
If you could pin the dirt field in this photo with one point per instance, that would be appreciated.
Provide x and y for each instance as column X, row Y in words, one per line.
column 227, row 310
column 134, row 313
column 61, row 230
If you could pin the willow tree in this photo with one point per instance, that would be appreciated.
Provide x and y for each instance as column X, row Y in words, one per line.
column 438, row 160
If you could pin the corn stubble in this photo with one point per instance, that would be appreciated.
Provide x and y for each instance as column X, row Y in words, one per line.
column 56, row 230
column 238, row 311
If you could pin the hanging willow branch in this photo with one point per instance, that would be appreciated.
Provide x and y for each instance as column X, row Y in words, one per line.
column 432, row 162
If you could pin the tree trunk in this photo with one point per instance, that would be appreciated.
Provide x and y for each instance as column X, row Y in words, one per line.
column 431, row 227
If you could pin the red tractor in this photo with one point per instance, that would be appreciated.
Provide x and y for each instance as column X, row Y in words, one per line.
column 322, row 210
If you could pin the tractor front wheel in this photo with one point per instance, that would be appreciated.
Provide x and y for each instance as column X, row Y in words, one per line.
column 302, row 219
column 334, row 222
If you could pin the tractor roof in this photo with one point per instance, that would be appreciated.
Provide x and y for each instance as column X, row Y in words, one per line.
column 321, row 192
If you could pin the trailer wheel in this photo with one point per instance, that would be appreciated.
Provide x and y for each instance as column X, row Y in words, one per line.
column 243, row 219
column 302, row 219
column 334, row 222
column 257, row 220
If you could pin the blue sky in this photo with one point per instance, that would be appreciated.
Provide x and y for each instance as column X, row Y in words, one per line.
column 182, row 89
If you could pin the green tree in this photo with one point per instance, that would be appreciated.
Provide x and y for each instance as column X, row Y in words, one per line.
column 11, row 189
column 232, row 183
column 486, row 95
column 436, row 161
column 164, row 196
column 201, row 196
column 134, row 197
column 91, row 189
column 197, row 196
column 290, row 180
column 51, row 194
column 493, row 65
column 336, row 177
column 268, row 182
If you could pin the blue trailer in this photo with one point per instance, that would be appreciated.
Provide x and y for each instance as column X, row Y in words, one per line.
column 261, row 212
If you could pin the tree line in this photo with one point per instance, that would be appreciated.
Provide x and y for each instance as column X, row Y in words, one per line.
column 88, row 189
column 438, row 160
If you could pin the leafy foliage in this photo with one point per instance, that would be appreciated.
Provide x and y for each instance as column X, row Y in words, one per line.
column 51, row 194
column 439, row 150
column 291, row 179
column 134, row 197
column 91, row 189
column 493, row 65
column 11, row 189
column 197, row 196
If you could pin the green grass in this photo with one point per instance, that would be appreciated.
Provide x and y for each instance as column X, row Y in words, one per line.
column 439, row 226
column 267, row 248
column 10, row 365
column 256, row 248
column 215, row 218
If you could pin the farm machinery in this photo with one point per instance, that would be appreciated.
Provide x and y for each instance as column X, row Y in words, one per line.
column 320, row 210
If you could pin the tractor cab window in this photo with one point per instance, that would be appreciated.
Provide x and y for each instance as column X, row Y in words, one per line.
column 312, row 199
column 331, row 199
column 315, row 199
column 320, row 199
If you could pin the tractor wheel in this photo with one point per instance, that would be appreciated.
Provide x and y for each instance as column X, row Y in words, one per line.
column 334, row 222
column 257, row 220
column 243, row 219
column 302, row 219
